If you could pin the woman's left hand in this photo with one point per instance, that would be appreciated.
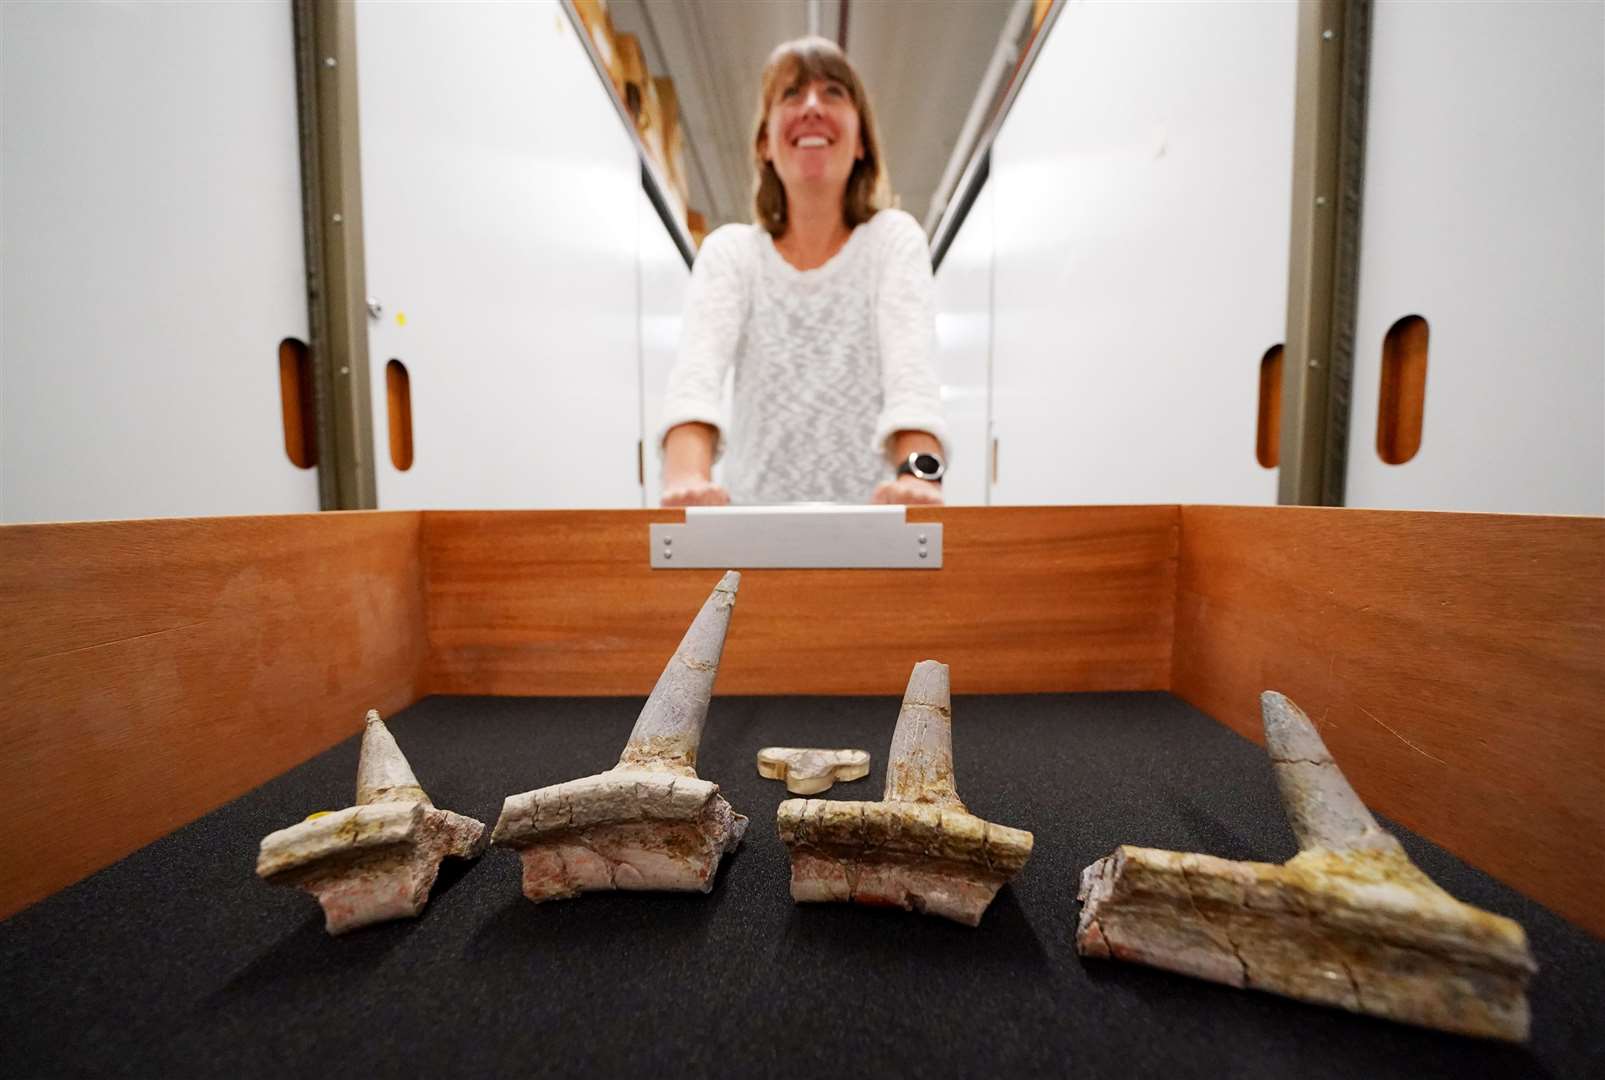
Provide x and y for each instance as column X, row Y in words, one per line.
column 908, row 491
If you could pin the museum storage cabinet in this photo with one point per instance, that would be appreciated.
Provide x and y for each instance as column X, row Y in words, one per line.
column 173, row 690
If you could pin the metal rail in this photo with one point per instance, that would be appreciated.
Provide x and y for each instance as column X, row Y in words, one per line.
column 652, row 179
column 976, row 172
column 1324, row 252
column 331, row 210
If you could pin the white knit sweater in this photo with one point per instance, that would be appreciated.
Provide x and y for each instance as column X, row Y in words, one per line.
column 828, row 362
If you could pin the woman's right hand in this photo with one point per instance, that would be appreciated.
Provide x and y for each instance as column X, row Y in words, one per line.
column 695, row 492
column 688, row 464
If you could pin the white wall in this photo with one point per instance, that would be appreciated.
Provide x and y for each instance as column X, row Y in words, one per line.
column 664, row 278
column 1142, row 186
column 152, row 260
column 964, row 351
column 1485, row 213
column 499, row 196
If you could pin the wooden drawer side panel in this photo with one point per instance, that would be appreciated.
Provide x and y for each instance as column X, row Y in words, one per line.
column 1455, row 664
column 151, row 671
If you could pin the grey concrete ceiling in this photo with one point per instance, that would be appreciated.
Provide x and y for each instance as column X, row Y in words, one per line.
column 922, row 60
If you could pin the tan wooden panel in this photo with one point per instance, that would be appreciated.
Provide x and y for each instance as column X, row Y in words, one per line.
column 1028, row 599
column 151, row 671
column 1455, row 664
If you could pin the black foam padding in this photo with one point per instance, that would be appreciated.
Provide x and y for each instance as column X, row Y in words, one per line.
column 178, row 961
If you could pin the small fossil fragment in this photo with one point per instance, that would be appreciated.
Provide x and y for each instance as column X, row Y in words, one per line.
column 649, row 822
column 1349, row 921
column 376, row 860
column 807, row 771
column 919, row 849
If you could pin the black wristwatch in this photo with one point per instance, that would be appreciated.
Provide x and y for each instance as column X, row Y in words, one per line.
column 923, row 466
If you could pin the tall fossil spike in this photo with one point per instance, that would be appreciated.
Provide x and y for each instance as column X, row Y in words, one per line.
column 919, row 766
column 1348, row 922
column 669, row 729
column 919, row 849
column 376, row 860
column 1320, row 805
column 649, row 822
column 383, row 774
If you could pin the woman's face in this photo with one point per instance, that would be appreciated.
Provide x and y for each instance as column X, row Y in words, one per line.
column 812, row 135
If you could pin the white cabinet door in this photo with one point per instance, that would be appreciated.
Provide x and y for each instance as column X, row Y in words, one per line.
column 152, row 260
column 1141, row 188
column 963, row 353
column 1484, row 214
column 500, row 197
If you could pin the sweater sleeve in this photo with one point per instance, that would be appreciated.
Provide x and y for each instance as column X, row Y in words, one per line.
column 715, row 307
column 906, row 333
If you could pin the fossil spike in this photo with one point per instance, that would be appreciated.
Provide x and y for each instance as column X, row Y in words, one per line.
column 383, row 774
column 649, row 822
column 1350, row 921
column 919, row 849
column 919, row 767
column 376, row 860
column 669, row 729
column 1322, row 808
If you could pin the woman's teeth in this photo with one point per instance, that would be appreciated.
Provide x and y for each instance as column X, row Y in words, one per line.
column 812, row 140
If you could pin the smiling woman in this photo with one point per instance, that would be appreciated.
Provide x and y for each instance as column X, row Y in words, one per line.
column 817, row 139
column 822, row 309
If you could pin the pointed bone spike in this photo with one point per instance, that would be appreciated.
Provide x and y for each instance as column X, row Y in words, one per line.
column 1360, row 930
column 650, row 822
column 383, row 774
column 920, row 765
column 669, row 728
column 1350, row 921
column 919, row 849
column 376, row 860
column 1322, row 808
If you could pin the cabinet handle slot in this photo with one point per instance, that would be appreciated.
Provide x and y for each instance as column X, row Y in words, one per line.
column 398, row 394
column 295, row 398
column 1403, row 399
column 1268, row 429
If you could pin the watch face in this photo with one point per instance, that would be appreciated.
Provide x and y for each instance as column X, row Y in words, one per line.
column 927, row 466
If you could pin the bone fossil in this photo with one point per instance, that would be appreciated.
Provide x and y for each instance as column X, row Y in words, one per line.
column 919, row 849
column 1349, row 921
column 808, row 771
column 376, row 860
column 649, row 822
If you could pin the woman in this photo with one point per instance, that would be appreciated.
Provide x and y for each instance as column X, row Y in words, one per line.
column 824, row 309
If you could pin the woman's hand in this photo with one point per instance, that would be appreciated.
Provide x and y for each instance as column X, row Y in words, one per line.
column 695, row 492
column 908, row 491
column 688, row 464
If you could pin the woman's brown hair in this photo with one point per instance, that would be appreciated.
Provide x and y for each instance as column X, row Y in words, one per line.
column 794, row 64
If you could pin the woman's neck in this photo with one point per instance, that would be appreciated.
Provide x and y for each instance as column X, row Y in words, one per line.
column 815, row 230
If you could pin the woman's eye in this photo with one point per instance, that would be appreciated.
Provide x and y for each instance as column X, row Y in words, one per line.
column 836, row 90
column 789, row 92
